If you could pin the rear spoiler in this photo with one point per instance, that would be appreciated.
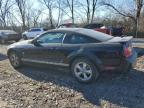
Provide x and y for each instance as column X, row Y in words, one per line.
column 121, row 39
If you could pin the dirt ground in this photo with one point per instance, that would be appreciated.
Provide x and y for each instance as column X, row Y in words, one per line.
column 33, row 87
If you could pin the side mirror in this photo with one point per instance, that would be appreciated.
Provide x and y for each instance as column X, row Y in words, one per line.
column 36, row 42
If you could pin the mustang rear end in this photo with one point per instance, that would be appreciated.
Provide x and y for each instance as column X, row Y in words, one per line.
column 129, row 52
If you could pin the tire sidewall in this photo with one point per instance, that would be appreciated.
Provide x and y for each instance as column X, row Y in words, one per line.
column 95, row 73
column 19, row 59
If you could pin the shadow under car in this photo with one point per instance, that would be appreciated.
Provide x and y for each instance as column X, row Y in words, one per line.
column 122, row 90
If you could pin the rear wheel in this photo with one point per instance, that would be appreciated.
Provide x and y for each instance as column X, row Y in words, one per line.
column 84, row 71
column 15, row 59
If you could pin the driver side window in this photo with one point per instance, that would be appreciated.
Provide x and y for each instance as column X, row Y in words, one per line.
column 48, row 38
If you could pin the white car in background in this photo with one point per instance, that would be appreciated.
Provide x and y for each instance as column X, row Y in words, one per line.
column 32, row 33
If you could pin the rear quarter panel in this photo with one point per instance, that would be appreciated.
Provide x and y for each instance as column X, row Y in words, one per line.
column 103, row 54
column 110, row 54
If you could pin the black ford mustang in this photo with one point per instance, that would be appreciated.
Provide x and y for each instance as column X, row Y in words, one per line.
column 86, row 52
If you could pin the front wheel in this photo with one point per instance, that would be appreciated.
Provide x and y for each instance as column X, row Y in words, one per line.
column 84, row 70
column 14, row 59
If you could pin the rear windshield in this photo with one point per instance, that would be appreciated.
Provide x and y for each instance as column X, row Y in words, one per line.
column 95, row 34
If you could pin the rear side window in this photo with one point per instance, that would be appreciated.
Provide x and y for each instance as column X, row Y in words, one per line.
column 96, row 35
column 79, row 39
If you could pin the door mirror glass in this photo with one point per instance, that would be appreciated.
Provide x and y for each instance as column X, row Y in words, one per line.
column 36, row 42
column 39, row 41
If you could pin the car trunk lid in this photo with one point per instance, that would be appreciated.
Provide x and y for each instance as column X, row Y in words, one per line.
column 128, row 52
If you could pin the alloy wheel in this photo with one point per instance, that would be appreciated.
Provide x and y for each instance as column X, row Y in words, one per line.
column 14, row 59
column 83, row 71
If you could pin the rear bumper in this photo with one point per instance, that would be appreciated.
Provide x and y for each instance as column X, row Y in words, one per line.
column 129, row 61
column 120, row 67
column 124, row 63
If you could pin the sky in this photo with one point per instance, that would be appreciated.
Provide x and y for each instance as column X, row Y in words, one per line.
column 66, row 18
column 101, row 12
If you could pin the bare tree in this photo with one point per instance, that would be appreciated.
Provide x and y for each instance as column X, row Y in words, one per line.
column 94, row 3
column 139, row 5
column 89, row 8
column 21, row 4
column 5, row 6
column 35, row 17
column 70, row 5
column 60, row 12
column 50, row 5
column 29, row 12
column 134, row 16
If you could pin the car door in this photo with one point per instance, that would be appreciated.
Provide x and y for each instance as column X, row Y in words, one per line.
column 47, row 49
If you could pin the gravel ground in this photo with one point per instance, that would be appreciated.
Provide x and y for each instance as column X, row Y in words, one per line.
column 33, row 87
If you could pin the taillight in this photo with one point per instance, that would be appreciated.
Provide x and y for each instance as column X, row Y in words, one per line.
column 127, row 51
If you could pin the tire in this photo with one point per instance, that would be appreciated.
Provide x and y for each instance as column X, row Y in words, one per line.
column 15, row 59
column 25, row 37
column 84, row 70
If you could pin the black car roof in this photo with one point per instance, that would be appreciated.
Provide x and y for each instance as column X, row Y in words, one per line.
column 88, row 32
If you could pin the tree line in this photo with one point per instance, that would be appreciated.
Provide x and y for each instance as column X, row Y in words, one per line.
column 22, row 13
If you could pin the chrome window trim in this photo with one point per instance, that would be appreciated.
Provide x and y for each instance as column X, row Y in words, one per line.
column 64, row 38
